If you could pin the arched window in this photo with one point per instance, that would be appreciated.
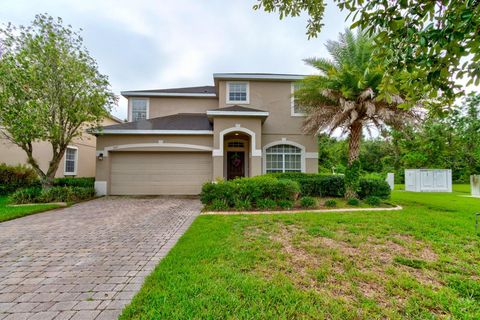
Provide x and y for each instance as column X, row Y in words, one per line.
column 283, row 158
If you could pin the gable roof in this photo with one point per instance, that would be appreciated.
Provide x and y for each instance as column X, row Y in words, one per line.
column 237, row 110
column 180, row 123
column 202, row 91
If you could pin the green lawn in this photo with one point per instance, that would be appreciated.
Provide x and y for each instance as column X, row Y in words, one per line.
column 9, row 213
column 419, row 263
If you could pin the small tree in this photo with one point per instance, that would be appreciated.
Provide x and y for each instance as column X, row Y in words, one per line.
column 50, row 88
column 346, row 95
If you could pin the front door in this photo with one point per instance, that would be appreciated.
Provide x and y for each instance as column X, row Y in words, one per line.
column 235, row 164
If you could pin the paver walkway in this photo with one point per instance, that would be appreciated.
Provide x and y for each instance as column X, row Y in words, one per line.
column 86, row 261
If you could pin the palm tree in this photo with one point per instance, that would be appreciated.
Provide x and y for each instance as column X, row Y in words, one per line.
column 346, row 96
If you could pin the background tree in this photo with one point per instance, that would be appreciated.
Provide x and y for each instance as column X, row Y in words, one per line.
column 429, row 42
column 50, row 88
column 346, row 96
column 448, row 142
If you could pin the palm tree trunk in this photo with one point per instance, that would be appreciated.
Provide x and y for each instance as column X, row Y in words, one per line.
column 354, row 142
column 352, row 175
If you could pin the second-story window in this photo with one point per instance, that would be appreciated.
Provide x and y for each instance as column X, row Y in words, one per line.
column 297, row 110
column 139, row 109
column 237, row 92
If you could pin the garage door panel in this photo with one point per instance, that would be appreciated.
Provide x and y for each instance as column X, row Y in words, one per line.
column 157, row 173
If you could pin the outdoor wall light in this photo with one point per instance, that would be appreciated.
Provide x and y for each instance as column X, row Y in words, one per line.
column 100, row 156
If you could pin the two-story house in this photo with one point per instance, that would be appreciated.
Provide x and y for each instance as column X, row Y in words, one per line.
column 245, row 125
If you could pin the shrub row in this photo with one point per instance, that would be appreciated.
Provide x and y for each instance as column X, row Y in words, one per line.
column 13, row 178
column 334, row 186
column 75, row 182
column 53, row 194
column 16, row 177
column 247, row 193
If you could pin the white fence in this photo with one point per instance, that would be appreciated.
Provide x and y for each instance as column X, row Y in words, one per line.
column 428, row 180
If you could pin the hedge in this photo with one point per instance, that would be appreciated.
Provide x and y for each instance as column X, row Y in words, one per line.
column 53, row 194
column 13, row 178
column 317, row 185
column 247, row 192
column 75, row 182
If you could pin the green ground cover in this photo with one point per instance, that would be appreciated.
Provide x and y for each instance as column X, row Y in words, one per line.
column 9, row 212
column 419, row 263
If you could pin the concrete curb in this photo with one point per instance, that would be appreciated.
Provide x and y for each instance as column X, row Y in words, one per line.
column 300, row 211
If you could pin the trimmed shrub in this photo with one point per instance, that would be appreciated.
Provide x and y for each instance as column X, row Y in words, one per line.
column 242, row 205
column 26, row 195
column 374, row 187
column 308, row 202
column 75, row 182
column 315, row 184
column 13, row 178
column 266, row 204
column 217, row 205
column 285, row 204
column 330, row 203
column 251, row 189
column 373, row 201
column 53, row 194
column 353, row 202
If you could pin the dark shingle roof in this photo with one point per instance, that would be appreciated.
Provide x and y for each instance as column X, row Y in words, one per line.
column 198, row 90
column 180, row 121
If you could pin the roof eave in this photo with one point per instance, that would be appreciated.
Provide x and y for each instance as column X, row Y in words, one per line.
column 127, row 94
column 144, row 132
column 258, row 76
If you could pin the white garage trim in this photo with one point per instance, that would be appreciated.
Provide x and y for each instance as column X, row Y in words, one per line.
column 284, row 141
column 101, row 188
column 159, row 144
column 254, row 152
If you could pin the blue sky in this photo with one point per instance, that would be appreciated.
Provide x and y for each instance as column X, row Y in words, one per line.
column 147, row 44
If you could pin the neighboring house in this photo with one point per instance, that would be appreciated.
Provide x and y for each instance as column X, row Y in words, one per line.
column 78, row 161
column 245, row 125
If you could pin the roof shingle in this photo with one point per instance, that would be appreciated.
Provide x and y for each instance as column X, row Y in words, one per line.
column 180, row 121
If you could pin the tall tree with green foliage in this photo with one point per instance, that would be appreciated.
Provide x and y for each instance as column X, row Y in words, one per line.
column 430, row 43
column 50, row 88
column 346, row 96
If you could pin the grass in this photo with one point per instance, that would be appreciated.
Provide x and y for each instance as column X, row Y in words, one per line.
column 9, row 212
column 419, row 263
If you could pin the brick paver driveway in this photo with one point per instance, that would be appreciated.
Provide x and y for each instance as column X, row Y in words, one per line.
column 86, row 261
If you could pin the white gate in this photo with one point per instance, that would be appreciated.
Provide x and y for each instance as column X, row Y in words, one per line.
column 428, row 180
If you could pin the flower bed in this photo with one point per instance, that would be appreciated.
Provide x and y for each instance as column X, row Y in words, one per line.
column 290, row 191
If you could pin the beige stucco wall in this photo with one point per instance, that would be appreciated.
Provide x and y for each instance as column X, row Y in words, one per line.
column 271, row 96
column 103, row 167
column 239, row 123
column 14, row 155
column 165, row 106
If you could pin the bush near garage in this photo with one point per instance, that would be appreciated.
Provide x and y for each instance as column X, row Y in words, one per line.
column 87, row 182
column 248, row 192
column 53, row 194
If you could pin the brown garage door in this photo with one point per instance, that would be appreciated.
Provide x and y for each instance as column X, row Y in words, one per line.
column 159, row 173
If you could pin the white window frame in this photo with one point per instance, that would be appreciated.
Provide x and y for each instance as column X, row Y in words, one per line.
column 292, row 104
column 247, row 101
column 130, row 108
column 70, row 173
column 291, row 143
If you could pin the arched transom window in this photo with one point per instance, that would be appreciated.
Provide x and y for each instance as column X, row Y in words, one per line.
column 283, row 158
